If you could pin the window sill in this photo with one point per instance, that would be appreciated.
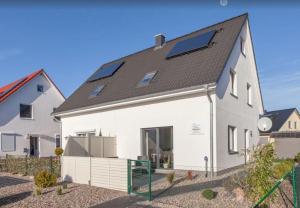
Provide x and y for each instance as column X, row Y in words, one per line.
column 233, row 95
column 233, row 153
column 26, row 118
column 250, row 105
column 243, row 54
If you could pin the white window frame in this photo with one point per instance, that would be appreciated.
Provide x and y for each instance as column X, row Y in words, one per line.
column 290, row 124
column 26, row 118
column 232, row 140
column 40, row 85
column 249, row 94
column 233, row 83
column 295, row 124
column 14, row 148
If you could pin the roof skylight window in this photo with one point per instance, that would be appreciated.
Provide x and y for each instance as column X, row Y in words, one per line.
column 147, row 79
column 96, row 91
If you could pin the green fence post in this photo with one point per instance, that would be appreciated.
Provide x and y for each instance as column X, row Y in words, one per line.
column 149, row 180
column 129, row 176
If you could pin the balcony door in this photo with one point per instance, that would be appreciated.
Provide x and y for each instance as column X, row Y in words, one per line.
column 157, row 145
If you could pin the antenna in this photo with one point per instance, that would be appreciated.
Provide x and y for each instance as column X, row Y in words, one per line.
column 264, row 124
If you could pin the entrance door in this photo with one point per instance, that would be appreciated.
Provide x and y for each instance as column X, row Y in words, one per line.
column 158, row 146
column 34, row 146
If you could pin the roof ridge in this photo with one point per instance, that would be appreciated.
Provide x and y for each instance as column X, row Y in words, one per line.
column 143, row 50
column 281, row 110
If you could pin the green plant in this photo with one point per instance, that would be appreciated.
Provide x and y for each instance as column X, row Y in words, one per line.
column 259, row 179
column 44, row 179
column 37, row 191
column 170, row 177
column 59, row 190
column 58, row 151
column 64, row 185
column 297, row 158
column 282, row 168
column 209, row 194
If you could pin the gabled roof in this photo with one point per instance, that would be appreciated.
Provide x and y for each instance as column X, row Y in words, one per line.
column 8, row 90
column 193, row 69
column 279, row 117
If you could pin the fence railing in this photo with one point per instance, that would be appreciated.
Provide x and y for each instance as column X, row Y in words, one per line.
column 29, row 165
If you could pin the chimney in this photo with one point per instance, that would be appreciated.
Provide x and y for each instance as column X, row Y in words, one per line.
column 159, row 40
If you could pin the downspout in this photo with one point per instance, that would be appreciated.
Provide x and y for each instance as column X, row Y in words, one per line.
column 211, row 132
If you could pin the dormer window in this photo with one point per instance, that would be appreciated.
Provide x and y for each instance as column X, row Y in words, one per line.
column 147, row 79
column 233, row 83
column 96, row 91
column 40, row 88
column 243, row 48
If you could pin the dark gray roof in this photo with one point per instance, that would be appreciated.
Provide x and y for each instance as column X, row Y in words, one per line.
column 278, row 117
column 193, row 69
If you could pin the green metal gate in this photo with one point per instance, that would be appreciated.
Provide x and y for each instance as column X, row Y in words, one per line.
column 295, row 177
column 139, row 178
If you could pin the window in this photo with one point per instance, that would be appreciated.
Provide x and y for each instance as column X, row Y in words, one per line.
column 290, row 124
column 233, row 81
column 40, row 88
column 249, row 94
column 57, row 140
column 8, row 142
column 147, row 79
column 232, row 140
column 96, row 91
column 25, row 111
column 295, row 124
column 243, row 48
column 86, row 133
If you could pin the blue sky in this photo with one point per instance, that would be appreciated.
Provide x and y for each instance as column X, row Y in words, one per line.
column 70, row 42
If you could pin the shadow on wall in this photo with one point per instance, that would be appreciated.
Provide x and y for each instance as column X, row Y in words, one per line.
column 14, row 198
column 76, row 147
column 225, row 77
column 9, row 112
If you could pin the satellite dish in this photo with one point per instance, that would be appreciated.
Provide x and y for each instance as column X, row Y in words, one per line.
column 264, row 124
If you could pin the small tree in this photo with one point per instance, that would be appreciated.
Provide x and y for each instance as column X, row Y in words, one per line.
column 58, row 151
column 260, row 173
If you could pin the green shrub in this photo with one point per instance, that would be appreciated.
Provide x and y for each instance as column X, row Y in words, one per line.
column 297, row 158
column 58, row 151
column 209, row 194
column 282, row 168
column 59, row 190
column 170, row 177
column 44, row 179
column 259, row 179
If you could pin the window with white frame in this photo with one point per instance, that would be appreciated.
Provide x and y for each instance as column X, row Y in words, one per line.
column 26, row 111
column 232, row 140
column 233, row 82
column 249, row 94
column 290, row 124
column 243, row 48
column 57, row 140
column 8, row 142
column 295, row 124
column 40, row 88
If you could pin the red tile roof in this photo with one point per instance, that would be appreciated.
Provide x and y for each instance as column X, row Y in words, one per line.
column 13, row 87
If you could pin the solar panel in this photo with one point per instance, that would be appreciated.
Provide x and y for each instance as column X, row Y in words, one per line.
column 12, row 87
column 192, row 44
column 106, row 71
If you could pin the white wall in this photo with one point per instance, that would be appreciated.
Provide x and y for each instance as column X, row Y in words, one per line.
column 235, row 111
column 42, row 123
column 126, row 123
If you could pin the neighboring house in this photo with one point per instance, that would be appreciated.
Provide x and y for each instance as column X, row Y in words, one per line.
column 186, row 100
column 26, row 124
column 284, row 133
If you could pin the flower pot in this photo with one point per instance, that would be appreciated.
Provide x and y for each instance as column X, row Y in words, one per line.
column 166, row 165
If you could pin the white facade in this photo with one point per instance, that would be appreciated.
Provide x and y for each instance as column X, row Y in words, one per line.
column 184, row 112
column 42, row 125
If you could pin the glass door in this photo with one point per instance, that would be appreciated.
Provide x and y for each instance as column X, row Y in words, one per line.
column 157, row 146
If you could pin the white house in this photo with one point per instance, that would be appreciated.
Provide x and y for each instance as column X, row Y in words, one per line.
column 193, row 101
column 26, row 124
